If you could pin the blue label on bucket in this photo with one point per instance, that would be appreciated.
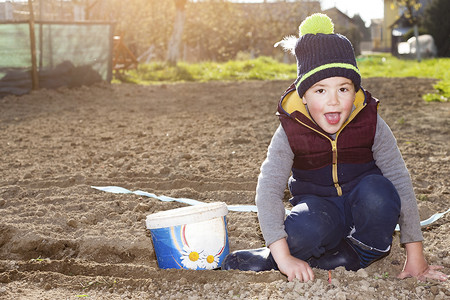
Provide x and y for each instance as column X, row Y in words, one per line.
column 197, row 246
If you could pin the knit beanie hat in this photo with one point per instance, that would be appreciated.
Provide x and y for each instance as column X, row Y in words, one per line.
column 321, row 53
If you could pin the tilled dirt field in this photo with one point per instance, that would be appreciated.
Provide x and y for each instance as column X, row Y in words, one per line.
column 62, row 239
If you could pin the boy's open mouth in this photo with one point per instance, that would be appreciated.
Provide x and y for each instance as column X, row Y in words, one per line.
column 333, row 117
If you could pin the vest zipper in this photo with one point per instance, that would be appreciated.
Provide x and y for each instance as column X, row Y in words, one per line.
column 334, row 171
column 334, row 167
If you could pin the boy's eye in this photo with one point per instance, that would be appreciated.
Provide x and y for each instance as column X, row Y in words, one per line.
column 320, row 91
column 343, row 89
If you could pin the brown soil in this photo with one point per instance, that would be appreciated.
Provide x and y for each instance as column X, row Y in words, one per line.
column 62, row 239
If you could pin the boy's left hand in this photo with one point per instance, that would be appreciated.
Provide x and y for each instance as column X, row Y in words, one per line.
column 417, row 266
column 430, row 272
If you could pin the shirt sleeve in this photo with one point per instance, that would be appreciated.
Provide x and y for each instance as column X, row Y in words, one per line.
column 272, row 182
column 390, row 161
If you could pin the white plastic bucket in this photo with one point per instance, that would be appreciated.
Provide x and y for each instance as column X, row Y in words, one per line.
column 193, row 237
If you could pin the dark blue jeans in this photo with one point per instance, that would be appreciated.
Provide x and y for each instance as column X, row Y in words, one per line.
column 367, row 215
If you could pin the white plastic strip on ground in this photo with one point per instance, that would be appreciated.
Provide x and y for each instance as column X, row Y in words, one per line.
column 120, row 190
column 244, row 208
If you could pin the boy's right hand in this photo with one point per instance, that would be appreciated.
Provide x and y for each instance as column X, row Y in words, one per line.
column 293, row 268
column 289, row 265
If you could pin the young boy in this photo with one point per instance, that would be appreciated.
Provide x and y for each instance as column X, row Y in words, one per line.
column 349, row 183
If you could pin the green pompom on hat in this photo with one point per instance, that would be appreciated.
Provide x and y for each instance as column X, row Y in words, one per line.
column 316, row 23
column 321, row 54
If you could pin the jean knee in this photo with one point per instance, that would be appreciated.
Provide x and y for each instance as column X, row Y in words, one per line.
column 376, row 195
column 312, row 227
column 375, row 209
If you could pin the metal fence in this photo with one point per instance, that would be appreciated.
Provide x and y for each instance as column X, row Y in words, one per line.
column 67, row 54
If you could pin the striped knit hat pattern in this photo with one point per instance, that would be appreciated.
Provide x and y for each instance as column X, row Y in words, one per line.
column 321, row 54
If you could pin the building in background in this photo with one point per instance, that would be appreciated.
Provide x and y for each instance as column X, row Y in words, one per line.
column 394, row 26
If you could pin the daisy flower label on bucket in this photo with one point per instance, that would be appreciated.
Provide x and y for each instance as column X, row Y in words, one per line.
column 194, row 238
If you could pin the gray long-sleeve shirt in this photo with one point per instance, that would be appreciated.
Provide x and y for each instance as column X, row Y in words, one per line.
column 276, row 169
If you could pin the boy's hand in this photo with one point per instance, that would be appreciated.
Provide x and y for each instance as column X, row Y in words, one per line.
column 417, row 266
column 289, row 265
column 429, row 272
column 420, row 269
column 295, row 268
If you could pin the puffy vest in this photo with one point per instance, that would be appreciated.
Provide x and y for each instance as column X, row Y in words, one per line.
column 324, row 166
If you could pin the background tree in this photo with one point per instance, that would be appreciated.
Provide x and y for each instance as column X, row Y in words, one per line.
column 144, row 24
column 219, row 30
column 436, row 23
column 215, row 30
column 365, row 31
column 173, row 51
column 353, row 34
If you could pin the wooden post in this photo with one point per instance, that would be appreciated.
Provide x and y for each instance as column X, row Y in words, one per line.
column 41, row 45
column 34, row 73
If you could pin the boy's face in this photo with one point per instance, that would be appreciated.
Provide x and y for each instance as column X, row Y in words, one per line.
column 330, row 102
